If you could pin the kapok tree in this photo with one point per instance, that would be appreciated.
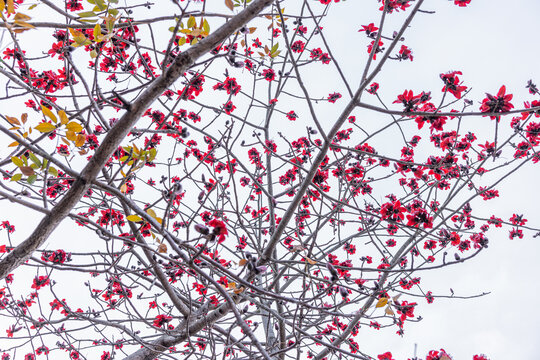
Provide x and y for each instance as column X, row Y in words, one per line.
column 198, row 218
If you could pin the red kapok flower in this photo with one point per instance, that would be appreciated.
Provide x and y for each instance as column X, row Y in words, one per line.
column 220, row 230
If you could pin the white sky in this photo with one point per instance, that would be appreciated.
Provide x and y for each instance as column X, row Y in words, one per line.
column 493, row 43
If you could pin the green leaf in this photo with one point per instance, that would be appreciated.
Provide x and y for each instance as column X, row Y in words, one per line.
column 18, row 162
column 113, row 12
column 206, row 26
column 16, row 177
column 274, row 48
column 87, row 14
column 153, row 153
column 31, row 179
column 53, row 171
column 97, row 32
column 101, row 4
column 35, row 160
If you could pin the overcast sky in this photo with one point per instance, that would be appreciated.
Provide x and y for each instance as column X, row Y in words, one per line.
column 493, row 43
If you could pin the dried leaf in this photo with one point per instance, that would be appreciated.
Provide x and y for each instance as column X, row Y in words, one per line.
column 382, row 302
column 162, row 248
column 229, row 4
column 239, row 290
column 13, row 120
column 27, row 170
column 242, row 262
column 389, row 310
column 123, row 188
column 311, row 261
column 24, row 117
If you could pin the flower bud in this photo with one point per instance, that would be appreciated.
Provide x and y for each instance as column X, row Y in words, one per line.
column 201, row 229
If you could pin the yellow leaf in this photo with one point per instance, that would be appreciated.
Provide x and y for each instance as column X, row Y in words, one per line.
column 74, row 126
column 382, row 302
column 123, row 188
column 66, row 141
column 63, row 117
column 97, row 32
column 151, row 212
column 231, row 285
column 24, row 24
column 70, row 135
column 229, row 4
column 12, row 120
column 252, row 30
column 2, row 5
column 15, row 143
column 242, row 262
column 10, row 7
column 21, row 16
column 45, row 127
column 48, row 113
column 134, row 218
column 81, row 139
column 389, row 311
column 191, row 22
column 18, row 162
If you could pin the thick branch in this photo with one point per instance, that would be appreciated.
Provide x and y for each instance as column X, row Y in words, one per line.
column 115, row 136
